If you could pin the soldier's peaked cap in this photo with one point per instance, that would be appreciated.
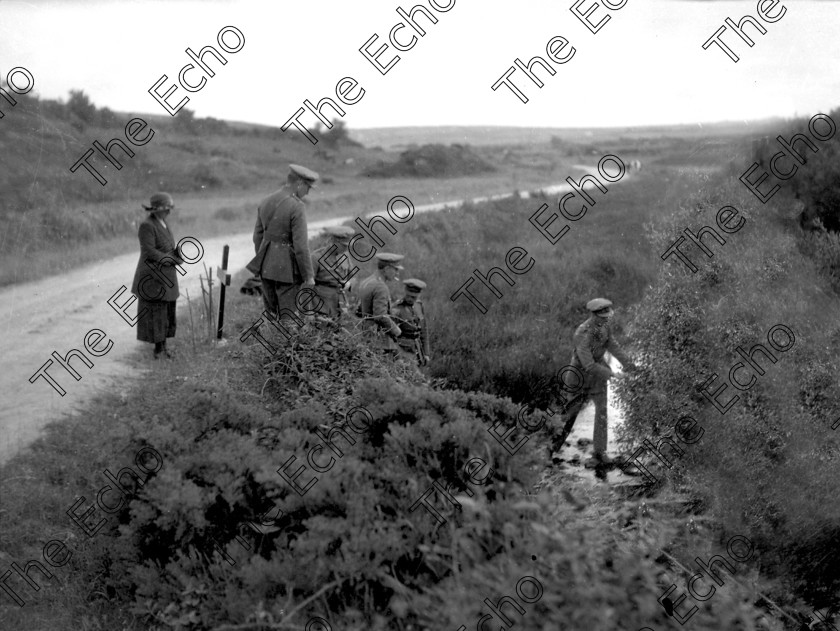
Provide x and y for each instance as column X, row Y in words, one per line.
column 302, row 172
column 339, row 232
column 597, row 304
column 391, row 259
column 414, row 285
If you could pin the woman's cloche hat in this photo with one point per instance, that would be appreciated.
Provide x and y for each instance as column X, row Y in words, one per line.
column 160, row 200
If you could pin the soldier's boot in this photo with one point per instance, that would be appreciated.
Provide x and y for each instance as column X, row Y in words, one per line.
column 600, row 460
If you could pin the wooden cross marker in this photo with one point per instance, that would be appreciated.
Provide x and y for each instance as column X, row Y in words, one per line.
column 224, row 281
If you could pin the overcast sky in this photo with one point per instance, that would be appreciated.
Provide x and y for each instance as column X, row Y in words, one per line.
column 645, row 66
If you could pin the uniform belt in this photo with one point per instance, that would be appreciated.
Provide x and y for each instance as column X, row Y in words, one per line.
column 279, row 238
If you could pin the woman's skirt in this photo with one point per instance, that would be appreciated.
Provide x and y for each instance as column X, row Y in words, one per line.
column 156, row 320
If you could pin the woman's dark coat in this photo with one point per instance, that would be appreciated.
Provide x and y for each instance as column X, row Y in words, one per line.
column 156, row 276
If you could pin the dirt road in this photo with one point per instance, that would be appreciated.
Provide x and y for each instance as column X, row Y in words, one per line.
column 56, row 313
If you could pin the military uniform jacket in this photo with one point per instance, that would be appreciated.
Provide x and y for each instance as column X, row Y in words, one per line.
column 281, row 239
column 153, row 281
column 416, row 315
column 590, row 343
column 323, row 275
column 375, row 306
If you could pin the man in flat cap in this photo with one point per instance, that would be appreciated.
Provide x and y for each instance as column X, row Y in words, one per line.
column 281, row 242
column 411, row 318
column 335, row 266
column 375, row 301
column 591, row 340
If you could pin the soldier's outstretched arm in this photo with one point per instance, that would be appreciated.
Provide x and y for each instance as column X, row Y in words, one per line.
column 618, row 352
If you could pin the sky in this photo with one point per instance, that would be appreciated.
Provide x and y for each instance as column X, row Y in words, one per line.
column 645, row 66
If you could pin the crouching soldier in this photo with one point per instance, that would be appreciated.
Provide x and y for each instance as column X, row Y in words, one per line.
column 375, row 302
column 335, row 266
column 411, row 318
column 591, row 340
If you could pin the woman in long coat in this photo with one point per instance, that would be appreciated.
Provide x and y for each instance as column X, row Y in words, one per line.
column 156, row 280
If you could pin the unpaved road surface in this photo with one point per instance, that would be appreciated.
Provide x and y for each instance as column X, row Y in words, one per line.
column 55, row 314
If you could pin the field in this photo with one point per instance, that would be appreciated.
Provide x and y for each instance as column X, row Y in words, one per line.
column 177, row 554
column 218, row 172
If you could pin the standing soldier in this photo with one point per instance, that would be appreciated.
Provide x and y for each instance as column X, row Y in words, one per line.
column 591, row 339
column 375, row 301
column 327, row 285
column 281, row 242
column 411, row 318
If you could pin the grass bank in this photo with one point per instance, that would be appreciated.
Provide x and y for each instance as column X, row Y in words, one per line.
column 216, row 539
column 180, row 553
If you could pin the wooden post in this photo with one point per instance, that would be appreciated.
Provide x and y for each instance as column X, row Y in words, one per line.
column 224, row 281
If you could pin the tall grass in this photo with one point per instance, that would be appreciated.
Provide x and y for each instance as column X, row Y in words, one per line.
column 516, row 348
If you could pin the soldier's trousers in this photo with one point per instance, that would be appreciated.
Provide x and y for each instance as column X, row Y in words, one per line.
column 278, row 296
column 599, row 434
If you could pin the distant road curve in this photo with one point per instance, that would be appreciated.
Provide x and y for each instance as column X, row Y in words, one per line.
column 55, row 313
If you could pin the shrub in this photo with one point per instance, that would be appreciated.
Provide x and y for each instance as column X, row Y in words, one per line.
column 80, row 106
column 432, row 161
column 205, row 175
column 777, row 437
column 352, row 537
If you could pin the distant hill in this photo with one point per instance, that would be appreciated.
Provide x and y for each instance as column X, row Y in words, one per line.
column 42, row 139
column 403, row 137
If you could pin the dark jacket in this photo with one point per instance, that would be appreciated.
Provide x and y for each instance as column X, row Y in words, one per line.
column 375, row 308
column 281, row 239
column 415, row 315
column 153, row 280
column 591, row 340
column 322, row 274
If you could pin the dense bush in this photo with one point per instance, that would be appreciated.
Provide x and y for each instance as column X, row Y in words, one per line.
column 768, row 463
column 432, row 161
column 352, row 537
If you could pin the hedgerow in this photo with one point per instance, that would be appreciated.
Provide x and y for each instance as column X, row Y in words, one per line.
column 766, row 465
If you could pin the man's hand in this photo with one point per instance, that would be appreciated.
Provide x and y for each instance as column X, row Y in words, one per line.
column 309, row 282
